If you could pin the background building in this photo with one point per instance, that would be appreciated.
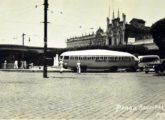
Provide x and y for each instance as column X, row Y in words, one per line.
column 116, row 30
column 98, row 38
column 120, row 33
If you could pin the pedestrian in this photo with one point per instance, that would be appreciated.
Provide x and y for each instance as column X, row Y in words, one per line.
column 79, row 67
column 61, row 66
column 16, row 64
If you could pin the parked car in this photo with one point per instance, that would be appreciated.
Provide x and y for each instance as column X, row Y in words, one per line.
column 160, row 67
column 148, row 62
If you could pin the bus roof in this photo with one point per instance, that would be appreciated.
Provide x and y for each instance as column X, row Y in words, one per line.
column 96, row 52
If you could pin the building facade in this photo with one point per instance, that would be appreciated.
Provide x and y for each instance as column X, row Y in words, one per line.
column 116, row 30
column 98, row 38
column 119, row 32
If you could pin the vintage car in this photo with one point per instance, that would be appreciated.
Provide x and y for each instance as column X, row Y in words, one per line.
column 148, row 62
column 160, row 67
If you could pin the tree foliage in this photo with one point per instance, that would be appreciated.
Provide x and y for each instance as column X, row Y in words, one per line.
column 158, row 33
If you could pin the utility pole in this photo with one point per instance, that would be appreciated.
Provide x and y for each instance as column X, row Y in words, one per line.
column 45, row 38
column 23, row 54
column 23, row 38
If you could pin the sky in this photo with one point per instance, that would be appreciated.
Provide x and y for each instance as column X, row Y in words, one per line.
column 68, row 18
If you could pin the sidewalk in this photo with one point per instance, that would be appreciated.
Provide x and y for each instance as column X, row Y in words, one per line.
column 36, row 69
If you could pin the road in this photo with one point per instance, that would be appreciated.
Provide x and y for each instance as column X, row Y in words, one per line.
column 105, row 96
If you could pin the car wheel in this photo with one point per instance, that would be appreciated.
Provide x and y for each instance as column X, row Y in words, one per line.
column 141, row 69
column 146, row 72
column 161, row 71
column 156, row 71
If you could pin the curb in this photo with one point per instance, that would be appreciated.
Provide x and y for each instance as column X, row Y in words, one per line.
column 25, row 70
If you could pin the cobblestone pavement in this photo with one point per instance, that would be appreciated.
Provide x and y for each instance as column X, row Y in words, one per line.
column 86, row 96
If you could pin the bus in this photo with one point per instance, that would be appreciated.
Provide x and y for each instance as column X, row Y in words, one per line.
column 99, row 59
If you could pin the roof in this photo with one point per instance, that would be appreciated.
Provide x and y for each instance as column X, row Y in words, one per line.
column 145, row 41
column 96, row 52
column 137, row 30
column 148, row 56
column 21, row 48
column 137, row 20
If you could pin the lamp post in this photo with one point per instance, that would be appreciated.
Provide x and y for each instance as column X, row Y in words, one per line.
column 23, row 38
column 45, row 38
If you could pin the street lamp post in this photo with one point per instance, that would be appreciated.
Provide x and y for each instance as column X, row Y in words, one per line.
column 45, row 38
column 23, row 39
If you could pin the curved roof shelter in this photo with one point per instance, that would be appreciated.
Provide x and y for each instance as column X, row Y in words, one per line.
column 21, row 48
column 27, row 53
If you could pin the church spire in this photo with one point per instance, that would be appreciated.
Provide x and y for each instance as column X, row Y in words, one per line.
column 109, row 11
column 118, row 13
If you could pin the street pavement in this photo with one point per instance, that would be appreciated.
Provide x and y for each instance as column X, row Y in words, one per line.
column 85, row 96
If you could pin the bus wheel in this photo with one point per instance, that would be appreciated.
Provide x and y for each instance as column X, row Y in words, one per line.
column 113, row 69
column 83, row 68
column 133, row 69
column 74, row 69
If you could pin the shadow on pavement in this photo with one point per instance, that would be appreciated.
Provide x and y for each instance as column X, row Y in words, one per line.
column 159, row 74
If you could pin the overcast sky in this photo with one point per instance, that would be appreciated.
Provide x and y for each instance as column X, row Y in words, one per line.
column 68, row 18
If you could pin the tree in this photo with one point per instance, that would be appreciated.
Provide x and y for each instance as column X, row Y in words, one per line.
column 158, row 33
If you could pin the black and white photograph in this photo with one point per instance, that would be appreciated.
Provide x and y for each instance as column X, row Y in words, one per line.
column 82, row 60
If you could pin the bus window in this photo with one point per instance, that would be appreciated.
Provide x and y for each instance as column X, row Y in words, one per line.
column 66, row 57
column 113, row 59
column 61, row 57
column 101, row 58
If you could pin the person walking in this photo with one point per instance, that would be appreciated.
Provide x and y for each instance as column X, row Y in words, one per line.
column 61, row 66
column 79, row 67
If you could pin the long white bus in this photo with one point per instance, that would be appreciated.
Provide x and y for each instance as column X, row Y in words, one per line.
column 99, row 59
